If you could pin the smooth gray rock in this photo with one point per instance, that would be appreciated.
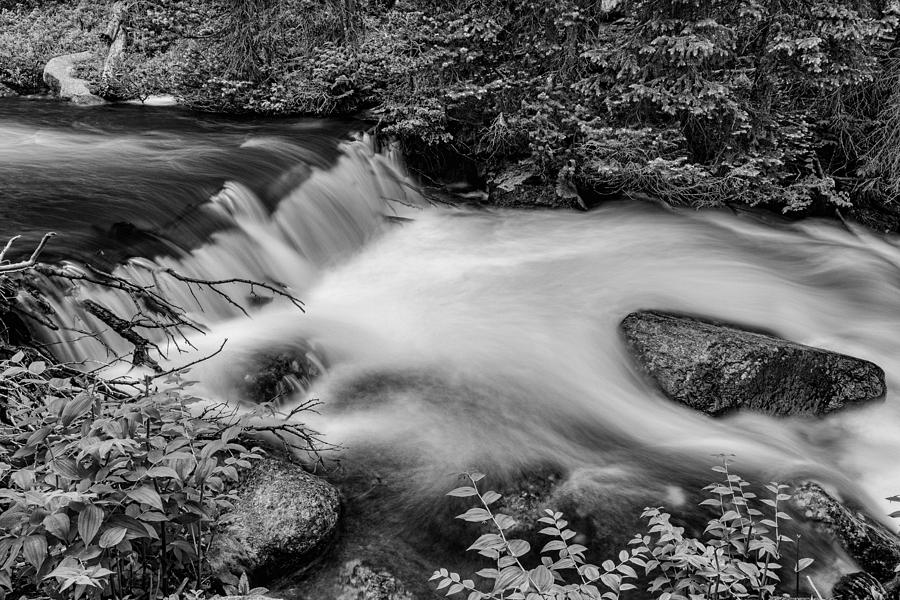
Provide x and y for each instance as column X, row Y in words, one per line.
column 870, row 544
column 281, row 513
column 716, row 368
column 58, row 75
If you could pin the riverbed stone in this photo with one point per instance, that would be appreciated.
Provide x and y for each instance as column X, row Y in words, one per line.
column 58, row 76
column 360, row 581
column 716, row 368
column 281, row 513
column 874, row 547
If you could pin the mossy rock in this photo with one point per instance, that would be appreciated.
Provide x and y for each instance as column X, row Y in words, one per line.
column 281, row 514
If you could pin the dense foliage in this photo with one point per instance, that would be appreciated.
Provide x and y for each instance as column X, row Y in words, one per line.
column 738, row 556
column 104, row 495
column 112, row 487
column 793, row 104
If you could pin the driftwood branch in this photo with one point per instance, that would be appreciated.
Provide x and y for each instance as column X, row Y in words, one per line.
column 25, row 264
column 152, row 311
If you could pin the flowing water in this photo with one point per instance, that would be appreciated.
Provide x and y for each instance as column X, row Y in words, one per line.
column 457, row 338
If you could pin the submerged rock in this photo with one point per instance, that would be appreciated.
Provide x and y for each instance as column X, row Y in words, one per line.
column 870, row 544
column 58, row 75
column 361, row 582
column 275, row 375
column 715, row 368
column 281, row 513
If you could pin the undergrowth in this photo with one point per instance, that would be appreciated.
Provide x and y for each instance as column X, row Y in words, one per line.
column 105, row 495
column 739, row 555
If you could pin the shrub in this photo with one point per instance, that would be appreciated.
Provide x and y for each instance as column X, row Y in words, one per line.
column 109, row 495
column 738, row 555
column 30, row 35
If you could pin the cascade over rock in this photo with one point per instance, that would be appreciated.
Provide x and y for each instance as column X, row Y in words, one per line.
column 716, row 367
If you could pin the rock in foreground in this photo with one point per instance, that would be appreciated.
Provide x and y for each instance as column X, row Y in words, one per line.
column 716, row 368
column 281, row 514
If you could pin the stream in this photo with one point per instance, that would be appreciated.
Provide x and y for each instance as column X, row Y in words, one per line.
column 454, row 337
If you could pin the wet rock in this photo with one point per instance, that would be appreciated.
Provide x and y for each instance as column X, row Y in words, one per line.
column 7, row 92
column 520, row 187
column 716, row 367
column 280, row 515
column 274, row 375
column 874, row 548
column 858, row 586
column 361, row 582
column 58, row 75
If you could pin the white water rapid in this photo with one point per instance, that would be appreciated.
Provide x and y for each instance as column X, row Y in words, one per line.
column 460, row 338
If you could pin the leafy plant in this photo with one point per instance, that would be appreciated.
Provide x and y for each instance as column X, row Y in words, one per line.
column 106, row 495
column 737, row 557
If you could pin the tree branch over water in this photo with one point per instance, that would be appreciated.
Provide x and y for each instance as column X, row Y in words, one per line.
column 152, row 310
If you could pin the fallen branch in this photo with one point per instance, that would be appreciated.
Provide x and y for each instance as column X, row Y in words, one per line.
column 125, row 329
column 25, row 264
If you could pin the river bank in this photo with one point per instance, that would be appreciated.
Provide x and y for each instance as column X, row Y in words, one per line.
column 560, row 105
column 448, row 337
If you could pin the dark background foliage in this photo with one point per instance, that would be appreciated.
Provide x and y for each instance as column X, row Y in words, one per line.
column 791, row 104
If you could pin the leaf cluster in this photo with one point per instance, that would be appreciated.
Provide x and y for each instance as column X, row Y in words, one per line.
column 738, row 556
column 105, row 498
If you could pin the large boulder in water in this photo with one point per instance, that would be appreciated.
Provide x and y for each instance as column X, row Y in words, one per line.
column 875, row 548
column 716, row 368
column 281, row 513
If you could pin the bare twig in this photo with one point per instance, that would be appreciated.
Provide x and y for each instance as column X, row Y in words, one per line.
column 212, row 284
column 25, row 264
column 192, row 363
